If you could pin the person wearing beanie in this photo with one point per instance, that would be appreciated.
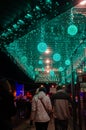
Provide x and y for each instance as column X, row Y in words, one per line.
column 41, row 117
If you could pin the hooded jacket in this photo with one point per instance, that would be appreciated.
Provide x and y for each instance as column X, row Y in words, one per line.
column 38, row 108
column 61, row 105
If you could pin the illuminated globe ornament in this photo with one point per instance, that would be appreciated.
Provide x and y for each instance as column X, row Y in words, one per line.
column 40, row 62
column 67, row 62
column 52, row 73
column 61, row 69
column 56, row 57
column 72, row 30
column 31, row 67
column 33, row 76
column 43, row 69
column 42, row 47
column 23, row 59
column 36, row 72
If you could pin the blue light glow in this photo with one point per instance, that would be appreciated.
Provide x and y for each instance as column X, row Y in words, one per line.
column 56, row 57
column 67, row 62
column 43, row 69
column 37, row 73
column 19, row 89
column 40, row 62
column 31, row 67
column 23, row 59
column 61, row 69
column 52, row 73
column 72, row 30
column 42, row 47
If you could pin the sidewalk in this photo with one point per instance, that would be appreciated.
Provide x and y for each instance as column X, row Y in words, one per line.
column 25, row 126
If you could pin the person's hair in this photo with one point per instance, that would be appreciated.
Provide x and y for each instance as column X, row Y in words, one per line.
column 43, row 89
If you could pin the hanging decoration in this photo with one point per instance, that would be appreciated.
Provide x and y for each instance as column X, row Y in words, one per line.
column 42, row 47
column 40, row 62
column 61, row 69
column 43, row 69
column 23, row 59
column 72, row 30
column 56, row 57
column 67, row 62
column 52, row 73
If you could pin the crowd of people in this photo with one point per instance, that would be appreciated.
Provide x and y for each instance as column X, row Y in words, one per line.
column 43, row 108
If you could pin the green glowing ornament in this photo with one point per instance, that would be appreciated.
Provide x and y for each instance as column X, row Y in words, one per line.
column 67, row 62
column 31, row 67
column 37, row 73
column 68, row 81
column 33, row 76
column 61, row 69
column 56, row 57
column 42, row 47
column 40, row 62
column 15, row 26
column 52, row 73
column 48, row 1
column 23, row 59
column 72, row 30
column 43, row 69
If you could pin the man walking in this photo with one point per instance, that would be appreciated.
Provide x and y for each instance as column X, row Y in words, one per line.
column 61, row 109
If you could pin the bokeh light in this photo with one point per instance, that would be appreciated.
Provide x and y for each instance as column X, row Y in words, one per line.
column 72, row 30
column 52, row 73
column 56, row 57
column 43, row 69
column 67, row 62
column 61, row 69
column 42, row 47
column 40, row 62
column 23, row 59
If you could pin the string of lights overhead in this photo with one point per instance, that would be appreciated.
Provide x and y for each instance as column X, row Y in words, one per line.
column 44, row 40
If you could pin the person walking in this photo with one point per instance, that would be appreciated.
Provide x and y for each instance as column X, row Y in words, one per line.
column 61, row 113
column 39, row 112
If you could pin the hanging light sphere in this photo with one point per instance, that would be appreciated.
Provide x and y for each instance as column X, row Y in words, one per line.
column 61, row 69
column 72, row 30
column 56, row 57
column 36, row 72
column 23, row 59
column 52, row 73
column 43, row 69
column 42, row 47
column 40, row 62
column 67, row 62
column 31, row 67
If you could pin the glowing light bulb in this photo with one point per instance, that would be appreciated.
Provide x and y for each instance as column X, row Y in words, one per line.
column 83, row 2
column 47, row 51
column 47, row 66
column 47, row 61
column 47, row 71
